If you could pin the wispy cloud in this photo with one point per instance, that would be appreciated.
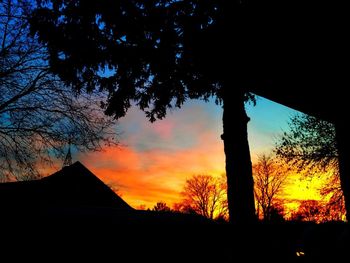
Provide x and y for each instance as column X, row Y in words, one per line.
column 156, row 159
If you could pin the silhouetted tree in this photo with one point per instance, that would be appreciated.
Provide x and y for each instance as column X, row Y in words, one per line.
column 161, row 207
column 205, row 195
column 334, row 208
column 184, row 207
column 39, row 116
column 276, row 213
column 310, row 145
column 156, row 54
column 269, row 178
column 309, row 210
column 318, row 211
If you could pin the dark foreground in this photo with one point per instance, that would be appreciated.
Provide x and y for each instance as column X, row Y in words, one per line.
column 106, row 235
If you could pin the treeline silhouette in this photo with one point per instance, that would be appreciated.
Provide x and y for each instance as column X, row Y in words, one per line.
column 205, row 195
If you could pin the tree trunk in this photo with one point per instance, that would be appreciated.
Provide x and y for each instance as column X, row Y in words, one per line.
column 343, row 145
column 240, row 184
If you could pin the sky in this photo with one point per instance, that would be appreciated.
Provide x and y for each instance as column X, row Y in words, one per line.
column 153, row 160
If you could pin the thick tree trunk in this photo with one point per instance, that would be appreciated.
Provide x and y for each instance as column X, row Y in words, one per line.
column 240, row 191
column 343, row 145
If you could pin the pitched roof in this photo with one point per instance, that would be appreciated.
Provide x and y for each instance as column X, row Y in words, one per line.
column 294, row 53
column 72, row 186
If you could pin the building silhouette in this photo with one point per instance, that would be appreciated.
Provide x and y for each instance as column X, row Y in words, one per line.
column 73, row 186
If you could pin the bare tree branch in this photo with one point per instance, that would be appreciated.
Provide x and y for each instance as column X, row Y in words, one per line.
column 205, row 195
column 269, row 179
column 39, row 115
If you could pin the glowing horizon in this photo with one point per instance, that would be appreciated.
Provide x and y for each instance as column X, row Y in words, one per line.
column 155, row 159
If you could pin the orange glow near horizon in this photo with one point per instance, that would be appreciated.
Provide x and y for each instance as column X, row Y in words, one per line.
column 148, row 177
column 300, row 187
column 165, row 178
column 155, row 159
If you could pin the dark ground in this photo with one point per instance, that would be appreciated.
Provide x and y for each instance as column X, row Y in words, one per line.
column 104, row 234
column 73, row 216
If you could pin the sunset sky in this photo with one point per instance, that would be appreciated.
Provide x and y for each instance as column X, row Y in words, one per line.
column 155, row 159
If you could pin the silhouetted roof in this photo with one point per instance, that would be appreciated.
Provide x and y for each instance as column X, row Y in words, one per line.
column 72, row 186
column 296, row 53
column 73, row 196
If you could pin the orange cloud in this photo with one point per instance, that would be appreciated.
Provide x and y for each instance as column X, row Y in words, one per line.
column 149, row 176
column 155, row 159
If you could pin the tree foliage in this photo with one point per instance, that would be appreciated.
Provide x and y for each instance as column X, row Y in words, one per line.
column 155, row 53
column 334, row 209
column 39, row 116
column 310, row 145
